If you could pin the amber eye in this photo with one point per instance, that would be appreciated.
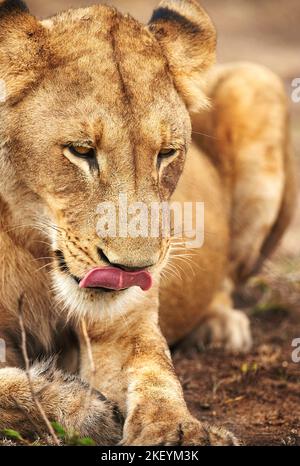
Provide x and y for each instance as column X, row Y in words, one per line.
column 165, row 154
column 82, row 151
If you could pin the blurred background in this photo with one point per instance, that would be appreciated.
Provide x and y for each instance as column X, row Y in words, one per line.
column 255, row 395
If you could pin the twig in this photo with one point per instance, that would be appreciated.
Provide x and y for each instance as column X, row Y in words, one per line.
column 27, row 370
column 233, row 400
column 91, row 363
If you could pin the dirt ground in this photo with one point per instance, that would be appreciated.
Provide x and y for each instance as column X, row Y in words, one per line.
column 256, row 396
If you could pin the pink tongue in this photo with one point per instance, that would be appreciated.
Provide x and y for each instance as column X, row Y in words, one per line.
column 116, row 279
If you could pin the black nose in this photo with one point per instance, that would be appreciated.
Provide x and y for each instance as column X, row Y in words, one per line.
column 124, row 267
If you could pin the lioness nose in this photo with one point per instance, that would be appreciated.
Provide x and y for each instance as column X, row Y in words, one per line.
column 127, row 267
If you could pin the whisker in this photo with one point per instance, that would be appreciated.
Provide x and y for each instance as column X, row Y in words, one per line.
column 43, row 267
column 204, row 134
column 36, row 259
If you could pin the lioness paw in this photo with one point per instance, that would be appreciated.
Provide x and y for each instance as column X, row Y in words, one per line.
column 228, row 329
column 185, row 433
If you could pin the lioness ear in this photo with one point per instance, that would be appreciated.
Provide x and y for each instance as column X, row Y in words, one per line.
column 188, row 40
column 21, row 42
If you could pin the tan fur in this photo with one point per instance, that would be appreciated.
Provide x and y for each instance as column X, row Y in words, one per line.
column 92, row 76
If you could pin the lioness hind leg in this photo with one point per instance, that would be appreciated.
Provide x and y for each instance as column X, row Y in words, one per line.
column 253, row 126
column 64, row 400
column 251, row 145
column 223, row 326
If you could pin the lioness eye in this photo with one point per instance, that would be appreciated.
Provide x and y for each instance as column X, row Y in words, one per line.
column 82, row 151
column 165, row 154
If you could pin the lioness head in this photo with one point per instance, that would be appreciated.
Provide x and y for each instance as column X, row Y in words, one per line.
column 97, row 104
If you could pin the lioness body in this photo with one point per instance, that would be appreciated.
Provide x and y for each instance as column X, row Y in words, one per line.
column 49, row 197
column 242, row 167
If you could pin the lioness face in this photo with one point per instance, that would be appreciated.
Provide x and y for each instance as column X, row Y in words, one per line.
column 101, row 115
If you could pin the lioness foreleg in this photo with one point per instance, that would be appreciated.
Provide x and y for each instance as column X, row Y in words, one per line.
column 134, row 368
column 63, row 399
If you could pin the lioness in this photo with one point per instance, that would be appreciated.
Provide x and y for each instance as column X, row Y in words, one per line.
column 95, row 104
